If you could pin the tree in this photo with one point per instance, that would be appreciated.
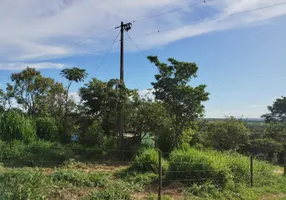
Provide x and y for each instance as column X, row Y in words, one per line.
column 144, row 116
column 277, row 111
column 101, row 100
column 72, row 75
column 228, row 134
column 183, row 102
column 30, row 90
column 277, row 116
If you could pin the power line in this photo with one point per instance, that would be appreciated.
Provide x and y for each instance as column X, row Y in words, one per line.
column 106, row 54
column 213, row 19
column 145, row 57
column 172, row 11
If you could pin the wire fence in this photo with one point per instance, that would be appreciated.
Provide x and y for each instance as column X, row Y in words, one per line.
column 178, row 178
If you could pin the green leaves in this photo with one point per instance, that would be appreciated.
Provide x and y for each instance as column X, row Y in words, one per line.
column 277, row 111
column 182, row 101
column 74, row 74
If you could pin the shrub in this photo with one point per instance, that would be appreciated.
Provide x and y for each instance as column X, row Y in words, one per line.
column 79, row 178
column 117, row 191
column 148, row 161
column 22, row 184
column 38, row 153
column 47, row 129
column 15, row 126
column 94, row 136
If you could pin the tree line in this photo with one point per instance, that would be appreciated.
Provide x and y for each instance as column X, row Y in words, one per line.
column 35, row 107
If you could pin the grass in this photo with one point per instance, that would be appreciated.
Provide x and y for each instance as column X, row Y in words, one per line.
column 228, row 180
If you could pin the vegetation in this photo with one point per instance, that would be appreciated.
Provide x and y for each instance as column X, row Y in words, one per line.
column 52, row 147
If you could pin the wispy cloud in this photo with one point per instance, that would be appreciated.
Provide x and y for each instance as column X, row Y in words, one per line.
column 48, row 29
column 19, row 66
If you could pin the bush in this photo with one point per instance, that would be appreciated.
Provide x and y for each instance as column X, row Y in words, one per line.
column 22, row 185
column 80, row 178
column 15, row 126
column 117, row 191
column 94, row 136
column 38, row 153
column 148, row 161
column 47, row 129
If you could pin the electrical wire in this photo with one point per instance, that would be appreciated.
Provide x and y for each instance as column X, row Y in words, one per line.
column 145, row 57
column 106, row 54
column 212, row 19
column 172, row 11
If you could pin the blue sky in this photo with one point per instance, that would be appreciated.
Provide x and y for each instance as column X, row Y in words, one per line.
column 241, row 59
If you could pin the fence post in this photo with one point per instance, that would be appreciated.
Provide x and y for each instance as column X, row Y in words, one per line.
column 160, row 175
column 251, row 170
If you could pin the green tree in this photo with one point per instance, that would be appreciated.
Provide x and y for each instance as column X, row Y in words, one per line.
column 72, row 75
column 228, row 134
column 183, row 102
column 277, row 112
column 30, row 90
column 101, row 100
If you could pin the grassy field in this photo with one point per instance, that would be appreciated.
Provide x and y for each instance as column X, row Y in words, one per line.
column 227, row 178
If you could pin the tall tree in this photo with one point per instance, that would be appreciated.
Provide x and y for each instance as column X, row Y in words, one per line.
column 72, row 75
column 277, row 116
column 277, row 112
column 101, row 100
column 30, row 89
column 183, row 102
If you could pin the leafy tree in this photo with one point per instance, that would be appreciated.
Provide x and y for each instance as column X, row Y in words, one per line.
column 277, row 111
column 144, row 116
column 101, row 100
column 183, row 102
column 72, row 75
column 30, row 89
column 228, row 134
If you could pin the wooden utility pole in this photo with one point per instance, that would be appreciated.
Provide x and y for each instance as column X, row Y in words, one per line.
column 123, row 27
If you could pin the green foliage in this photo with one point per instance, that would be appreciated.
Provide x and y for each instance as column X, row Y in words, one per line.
column 22, row 185
column 94, row 136
column 148, row 161
column 80, row 178
column 16, row 126
column 228, row 134
column 117, row 191
column 183, row 102
column 47, row 129
column 277, row 111
column 38, row 153
column 221, row 169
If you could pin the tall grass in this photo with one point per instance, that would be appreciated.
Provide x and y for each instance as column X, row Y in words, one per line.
column 222, row 169
column 22, row 185
column 16, row 126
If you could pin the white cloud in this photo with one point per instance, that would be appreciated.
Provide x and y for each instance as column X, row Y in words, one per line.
column 19, row 66
column 75, row 96
column 42, row 30
column 147, row 93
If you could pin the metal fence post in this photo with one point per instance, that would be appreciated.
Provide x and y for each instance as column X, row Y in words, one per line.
column 160, row 175
column 251, row 170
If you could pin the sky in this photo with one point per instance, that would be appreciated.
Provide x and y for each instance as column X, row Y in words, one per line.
column 239, row 45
